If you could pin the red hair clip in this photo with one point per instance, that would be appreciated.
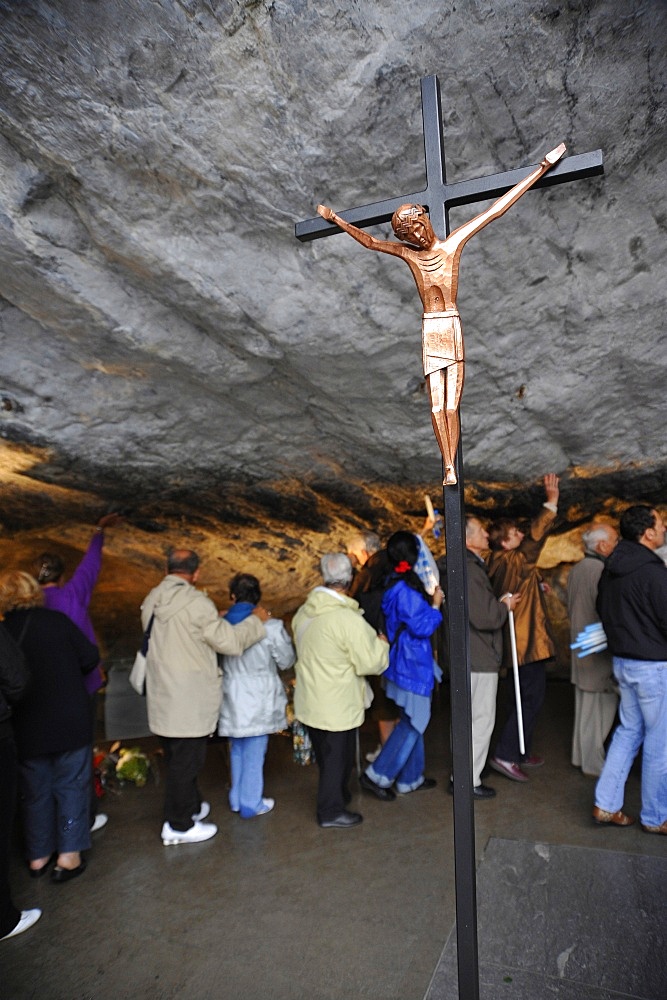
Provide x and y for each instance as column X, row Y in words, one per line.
column 402, row 567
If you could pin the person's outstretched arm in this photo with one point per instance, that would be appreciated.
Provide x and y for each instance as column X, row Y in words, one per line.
column 366, row 240
column 500, row 206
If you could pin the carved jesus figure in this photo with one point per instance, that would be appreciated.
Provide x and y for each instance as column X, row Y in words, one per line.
column 435, row 267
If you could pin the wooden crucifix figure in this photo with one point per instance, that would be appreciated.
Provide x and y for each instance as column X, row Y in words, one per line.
column 435, row 267
column 436, row 199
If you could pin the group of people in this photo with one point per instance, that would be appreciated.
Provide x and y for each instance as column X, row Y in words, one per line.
column 622, row 585
column 184, row 692
column 206, row 672
column 337, row 648
column 508, row 582
column 50, row 673
column 632, row 605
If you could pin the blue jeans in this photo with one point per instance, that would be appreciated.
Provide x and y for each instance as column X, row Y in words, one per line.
column 55, row 799
column 401, row 759
column 643, row 713
column 247, row 755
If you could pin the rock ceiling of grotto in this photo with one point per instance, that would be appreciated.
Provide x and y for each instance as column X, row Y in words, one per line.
column 170, row 348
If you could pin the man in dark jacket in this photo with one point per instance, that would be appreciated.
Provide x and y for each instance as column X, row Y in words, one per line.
column 632, row 604
column 487, row 615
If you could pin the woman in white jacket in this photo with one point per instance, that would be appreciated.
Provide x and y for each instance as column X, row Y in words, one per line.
column 253, row 700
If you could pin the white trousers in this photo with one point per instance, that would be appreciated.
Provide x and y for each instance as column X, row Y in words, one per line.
column 484, row 688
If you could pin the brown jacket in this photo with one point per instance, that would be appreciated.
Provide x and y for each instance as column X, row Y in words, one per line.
column 516, row 571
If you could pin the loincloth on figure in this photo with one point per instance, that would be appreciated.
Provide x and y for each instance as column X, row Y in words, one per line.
column 442, row 340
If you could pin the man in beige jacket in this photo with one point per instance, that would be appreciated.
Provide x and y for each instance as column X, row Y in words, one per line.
column 183, row 686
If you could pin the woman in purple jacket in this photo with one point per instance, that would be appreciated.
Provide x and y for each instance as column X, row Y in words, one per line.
column 72, row 598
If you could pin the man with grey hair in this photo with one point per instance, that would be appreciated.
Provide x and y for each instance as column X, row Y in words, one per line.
column 362, row 546
column 487, row 615
column 595, row 698
column 336, row 648
column 184, row 686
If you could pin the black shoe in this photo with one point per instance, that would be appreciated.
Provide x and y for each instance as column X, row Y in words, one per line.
column 65, row 874
column 480, row 792
column 39, row 872
column 483, row 792
column 425, row 785
column 384, row 794
column 342, row 821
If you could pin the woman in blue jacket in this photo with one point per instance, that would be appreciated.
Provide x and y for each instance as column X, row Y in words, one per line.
column 411, row 619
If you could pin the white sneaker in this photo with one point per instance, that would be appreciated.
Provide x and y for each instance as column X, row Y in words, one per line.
column 28, row 918
column 196, row 833
column 100, row 820
column 374, row 754
column 204, row 810
column 266, row 807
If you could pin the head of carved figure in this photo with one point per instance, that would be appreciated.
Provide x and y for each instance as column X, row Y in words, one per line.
column 412, row 224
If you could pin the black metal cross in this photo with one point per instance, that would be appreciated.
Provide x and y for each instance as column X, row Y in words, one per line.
column 438, row 197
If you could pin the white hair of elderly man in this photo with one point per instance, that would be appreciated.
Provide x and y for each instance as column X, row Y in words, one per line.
column 336, row 570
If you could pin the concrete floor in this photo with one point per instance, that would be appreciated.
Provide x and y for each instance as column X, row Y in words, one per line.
column 275, row 907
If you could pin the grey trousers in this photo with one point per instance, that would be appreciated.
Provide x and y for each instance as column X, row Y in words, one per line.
column 594, row 714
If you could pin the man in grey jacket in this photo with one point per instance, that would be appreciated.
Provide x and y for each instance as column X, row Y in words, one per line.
column 183, row 686
column 487, row 614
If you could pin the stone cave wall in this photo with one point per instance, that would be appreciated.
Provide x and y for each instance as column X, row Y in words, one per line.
column 168, row 347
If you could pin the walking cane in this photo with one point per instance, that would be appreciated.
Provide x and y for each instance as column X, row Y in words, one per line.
column 517, row 689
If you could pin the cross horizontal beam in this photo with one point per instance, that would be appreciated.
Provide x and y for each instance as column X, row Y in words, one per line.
column 492, row 186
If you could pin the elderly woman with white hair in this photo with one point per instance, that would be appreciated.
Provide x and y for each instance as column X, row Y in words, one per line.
column 336, row 649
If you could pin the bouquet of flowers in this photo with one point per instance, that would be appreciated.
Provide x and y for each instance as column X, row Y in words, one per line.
column 302, row 749
column 120, row 764
column 133, row 765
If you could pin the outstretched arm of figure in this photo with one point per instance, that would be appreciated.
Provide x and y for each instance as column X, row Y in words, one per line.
column 499, row 207
column 366, row 240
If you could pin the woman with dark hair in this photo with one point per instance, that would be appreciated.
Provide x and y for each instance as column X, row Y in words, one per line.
column 253, row 700
column 52, row 725
column 411, row 619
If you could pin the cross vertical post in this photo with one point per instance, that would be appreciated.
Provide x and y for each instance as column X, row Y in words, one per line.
column 437, row 197
column 458, row 632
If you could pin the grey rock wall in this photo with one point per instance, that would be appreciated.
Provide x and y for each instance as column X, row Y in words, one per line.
column 160, row 323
